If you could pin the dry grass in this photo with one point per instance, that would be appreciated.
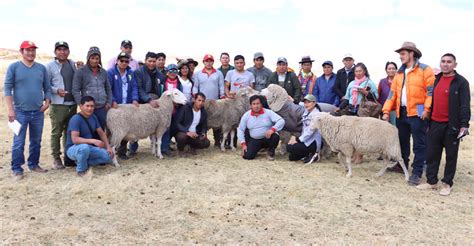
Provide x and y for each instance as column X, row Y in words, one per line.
column 219, row 198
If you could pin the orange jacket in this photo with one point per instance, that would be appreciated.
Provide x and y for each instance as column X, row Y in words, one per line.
column 419, row 89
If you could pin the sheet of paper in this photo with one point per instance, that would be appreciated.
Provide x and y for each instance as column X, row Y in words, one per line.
column 15, row 126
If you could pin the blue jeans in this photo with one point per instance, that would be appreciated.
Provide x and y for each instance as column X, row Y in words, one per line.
column 87, row 155
column 416, row 127
column 32, row 120
column 101, row 115
column 165, row 143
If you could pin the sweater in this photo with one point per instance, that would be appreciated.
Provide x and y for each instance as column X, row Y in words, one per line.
column 259, row 124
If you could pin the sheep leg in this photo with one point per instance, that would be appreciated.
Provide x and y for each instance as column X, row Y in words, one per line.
column 386, row 165
column 349, row 166
column 224, row 138
column 405, row 171
column 153, row 145
column 115, row 161
column 232, row 135
column 285, row 138
column 158, row 148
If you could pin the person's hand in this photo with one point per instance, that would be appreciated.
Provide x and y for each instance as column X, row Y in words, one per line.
column 424, row 115
column 110, row 152
column 291, row 99
column 107, row 106
column 192, row 135
column 45, row 106
column 337, row 110
column 114, row 105
column 386, row 117
column 244, row 149
column 79, row 64
column 136, row 104
column 292, row 141
column 62, row 92
column 11, row 115
column 269, row 133
column 98, row 143
column 154, row 103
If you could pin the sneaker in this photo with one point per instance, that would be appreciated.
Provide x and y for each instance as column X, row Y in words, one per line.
column 17, row 176
column 414, row 180
column 427, row 186
column 311, row 158
column 39, row 169
column 445, row 189
column 58, row 164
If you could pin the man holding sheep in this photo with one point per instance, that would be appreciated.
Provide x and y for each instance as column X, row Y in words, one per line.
column 411, row 95
column 258, row 129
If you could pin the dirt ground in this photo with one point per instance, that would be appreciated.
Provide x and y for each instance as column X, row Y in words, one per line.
column 220, row 198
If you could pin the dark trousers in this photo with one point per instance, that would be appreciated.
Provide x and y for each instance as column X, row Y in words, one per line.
column 440, row 137
column 255, row 145
column 122, row 149
column 217, row 136
column 196, row 143
column 415, row 127
column 300, row 150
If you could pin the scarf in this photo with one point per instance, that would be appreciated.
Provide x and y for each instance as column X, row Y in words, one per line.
column 173, row 83
column 307, row 79
column 355, row 91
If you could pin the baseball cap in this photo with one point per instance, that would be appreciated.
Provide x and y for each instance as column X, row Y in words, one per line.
column 327, row 63
column 61, row 44
column 310, row 98
column 258, row 55
column 27, row 45
column 172, row 68
column 123, row 55
column 282, row 59
column 348, row 55
column 208, row 57
column 126, row 43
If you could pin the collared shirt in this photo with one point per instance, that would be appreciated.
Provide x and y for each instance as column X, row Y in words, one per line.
column 124, row 87
column 210, row 84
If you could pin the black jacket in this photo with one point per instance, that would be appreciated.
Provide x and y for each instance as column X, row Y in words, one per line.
column 291, row 85
column 342, row 81
column 185, row 116
column 459, row 102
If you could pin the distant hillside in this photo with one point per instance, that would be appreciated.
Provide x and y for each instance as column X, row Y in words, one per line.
column 10, row 54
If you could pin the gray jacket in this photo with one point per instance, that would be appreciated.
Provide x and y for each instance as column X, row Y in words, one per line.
column 292, row 114
column 53, row 69
column 85, row 83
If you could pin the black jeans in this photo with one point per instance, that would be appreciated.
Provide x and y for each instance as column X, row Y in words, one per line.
column 217, row 136
column 197, row 143
column 300, row 150
column 415, row 127
column 255, row 145
column 440, row 137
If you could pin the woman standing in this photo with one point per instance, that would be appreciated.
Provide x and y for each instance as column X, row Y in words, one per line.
column 185, row 79
column 384, row 87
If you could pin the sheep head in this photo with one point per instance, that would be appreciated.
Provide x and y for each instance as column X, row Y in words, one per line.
column 276, row 96
column 176, row 96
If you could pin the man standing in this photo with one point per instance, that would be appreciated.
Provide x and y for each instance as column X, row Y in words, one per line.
column 450, row 115
column 323, row 90
column 344, row 76
column 126, row 47
column 61, row 73
column 306, row 76
column 225, row 66
column 286, row 79
column 210, row 82
column 160, row 62
column 191, row 122
column 260, row 72
column 27, row 94
column 87, row 143
column 124, row 91
column 258, row 129
column 238, row 78
column 410, row 94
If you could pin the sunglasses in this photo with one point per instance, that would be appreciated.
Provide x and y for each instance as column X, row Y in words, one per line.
column 124, row 61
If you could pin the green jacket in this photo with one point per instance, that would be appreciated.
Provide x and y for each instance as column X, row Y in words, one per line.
column 291, row 85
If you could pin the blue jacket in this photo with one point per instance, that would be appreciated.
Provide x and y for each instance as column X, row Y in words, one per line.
column 324, row 90
column 116, row 83
column 144, row 83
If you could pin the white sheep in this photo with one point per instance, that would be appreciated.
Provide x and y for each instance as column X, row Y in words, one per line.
column 130, row 123
column 348, row 135
column 225, row 113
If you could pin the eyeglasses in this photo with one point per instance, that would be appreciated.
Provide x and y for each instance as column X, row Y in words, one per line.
column 124, row 61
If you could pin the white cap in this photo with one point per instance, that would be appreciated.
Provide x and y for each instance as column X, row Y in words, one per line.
column 348, row 55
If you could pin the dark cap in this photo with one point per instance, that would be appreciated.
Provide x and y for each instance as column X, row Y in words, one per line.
column 123, row 55
column 127, row 43
column 328, row 63
column 61, row 44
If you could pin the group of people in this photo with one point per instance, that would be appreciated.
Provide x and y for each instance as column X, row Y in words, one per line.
column 433, row 110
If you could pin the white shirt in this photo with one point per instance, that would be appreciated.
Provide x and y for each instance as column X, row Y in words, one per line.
column 187, row 87
column 403, row 100
column 196, row 119
column 124, row 88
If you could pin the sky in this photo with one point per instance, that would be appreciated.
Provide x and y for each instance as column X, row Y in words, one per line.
column 326, row 30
